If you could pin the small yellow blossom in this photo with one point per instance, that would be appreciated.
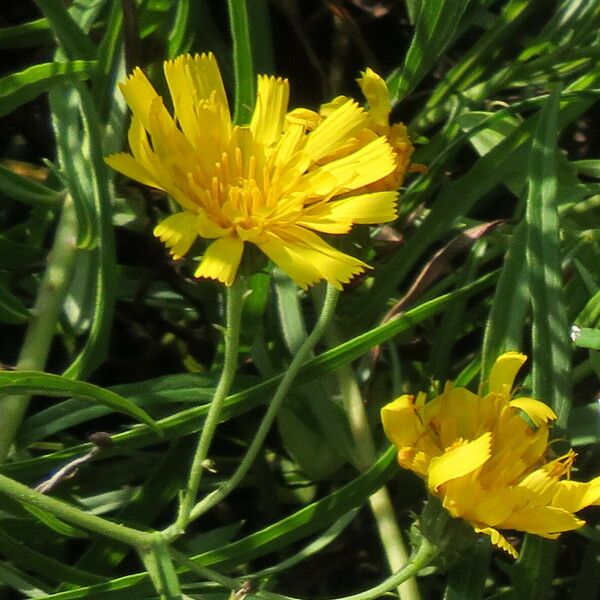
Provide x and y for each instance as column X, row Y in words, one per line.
column 376, row 92
column 269, row 182
column 376, row 125
column 485, row 457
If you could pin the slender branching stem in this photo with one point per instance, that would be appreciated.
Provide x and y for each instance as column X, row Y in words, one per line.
column 299, row 359
column 235, row 300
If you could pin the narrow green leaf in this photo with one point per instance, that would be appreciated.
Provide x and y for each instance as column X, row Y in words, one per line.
column 54, row 523
column 181, row 35
column 158, row 563
column 551, row 353
column 435, row 29
column 87, row 174
column 591, row 167
column 43, row 565
column 70, row 36
column 21, row 87
column 590, row 314
column 585, row 337
column 308, row 520
column 189, row 421
column 26, row 584
column 12, row 309
column 26, row 35
column 242, row 61
column 36, row 382
column 504, row 328
column 533, row 571
column 262, row 41
column 25, row 190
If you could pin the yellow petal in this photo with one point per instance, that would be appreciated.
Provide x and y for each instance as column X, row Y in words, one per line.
column 368, row 164
column 504, row 371
column 200, row 104
column 337, row 216
column 498, row 540
column 545, row 521
column 376, row 92
column 197, row 77
column 208, row 228
column 492, row 506
column 574, row 495
column 139, row 95
column 271, row 105
column 127, row 165
column 305, row 117
column 178, row 232
column 537, row 411
column 291, row 260
column 314, row 258
column 459, row 461
column 401, row 423
column 335, row 129
column 221, row 260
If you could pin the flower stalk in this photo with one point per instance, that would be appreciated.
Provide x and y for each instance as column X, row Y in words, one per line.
column 299, row 359
column 423, row 557
column 364, row 446
column 235, row 300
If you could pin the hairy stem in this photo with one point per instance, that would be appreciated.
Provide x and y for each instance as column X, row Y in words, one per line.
column 235, row 299
column 299, row 359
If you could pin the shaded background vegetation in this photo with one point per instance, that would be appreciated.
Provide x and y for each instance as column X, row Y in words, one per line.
column 470, row 86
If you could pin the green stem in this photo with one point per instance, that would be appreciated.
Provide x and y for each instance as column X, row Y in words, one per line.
column 235, row 299
column 421, row 559
column 298, row 361
column 41, row 328
column 25, row 495
column 366, row 455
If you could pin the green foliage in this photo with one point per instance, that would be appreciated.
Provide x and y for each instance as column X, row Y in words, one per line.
column 496, row 248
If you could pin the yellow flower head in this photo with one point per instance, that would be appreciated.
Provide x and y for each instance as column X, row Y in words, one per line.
column 485, row 457
column 269, row 182
column 377, row 95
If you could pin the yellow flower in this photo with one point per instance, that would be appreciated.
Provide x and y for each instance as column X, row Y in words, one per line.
column 485, row 457
column 376, row 92
column 376, row 125
column 268, row 182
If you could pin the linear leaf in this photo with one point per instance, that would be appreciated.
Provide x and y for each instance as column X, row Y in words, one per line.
column 304, row 522
column 436, row 25
column 21, row 87
column 242, row 60
column 72, row 39
column 12, row 309
column 504, row 328
column 36, row 382
column 551, row 353
column 33, row 33
column 551, row 349
column 189, row 421
column 25, row 190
